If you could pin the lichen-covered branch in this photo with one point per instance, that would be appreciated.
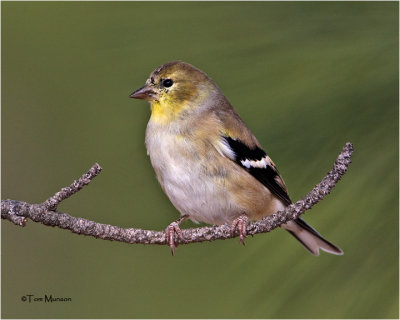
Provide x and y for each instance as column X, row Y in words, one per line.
column 52, row 202
column 18, row 212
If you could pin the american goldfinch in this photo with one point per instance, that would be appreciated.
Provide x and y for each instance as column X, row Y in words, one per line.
column 208, row 162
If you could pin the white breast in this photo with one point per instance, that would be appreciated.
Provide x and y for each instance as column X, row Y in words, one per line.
column 184, row 179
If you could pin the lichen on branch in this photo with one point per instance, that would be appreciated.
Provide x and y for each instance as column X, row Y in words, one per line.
column 46, row 213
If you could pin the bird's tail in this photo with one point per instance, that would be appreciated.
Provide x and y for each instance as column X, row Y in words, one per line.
column 310, row 238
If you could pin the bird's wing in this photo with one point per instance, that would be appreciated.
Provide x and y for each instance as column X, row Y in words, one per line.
column 256, row 162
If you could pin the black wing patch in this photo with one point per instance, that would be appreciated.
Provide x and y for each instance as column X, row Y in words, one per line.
column 266, row 175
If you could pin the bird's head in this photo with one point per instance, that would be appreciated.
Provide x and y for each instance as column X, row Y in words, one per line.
column 175, row 89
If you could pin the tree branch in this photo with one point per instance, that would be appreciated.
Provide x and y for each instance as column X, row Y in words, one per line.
column 18, row 212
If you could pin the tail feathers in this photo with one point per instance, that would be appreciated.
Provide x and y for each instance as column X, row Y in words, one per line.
column 310, row 238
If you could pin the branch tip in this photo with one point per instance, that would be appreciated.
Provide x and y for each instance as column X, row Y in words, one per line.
column 53, row 202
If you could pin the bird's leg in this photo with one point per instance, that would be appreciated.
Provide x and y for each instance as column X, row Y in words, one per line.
column 172, row 229
column 241, row 224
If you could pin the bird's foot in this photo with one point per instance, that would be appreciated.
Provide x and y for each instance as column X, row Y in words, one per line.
column 241, row 224
column 171, row 230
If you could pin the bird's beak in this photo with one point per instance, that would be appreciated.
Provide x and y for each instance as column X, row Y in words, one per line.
column 144, row 93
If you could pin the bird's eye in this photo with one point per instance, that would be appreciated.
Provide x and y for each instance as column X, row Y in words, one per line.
column 167, row 83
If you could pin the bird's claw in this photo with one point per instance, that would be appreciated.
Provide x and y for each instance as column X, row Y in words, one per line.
column 170, row 233
column 241, row 224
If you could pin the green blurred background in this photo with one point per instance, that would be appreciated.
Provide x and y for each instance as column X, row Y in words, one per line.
column 306, row 77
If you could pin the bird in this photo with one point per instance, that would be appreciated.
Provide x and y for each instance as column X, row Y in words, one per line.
column 208, row 162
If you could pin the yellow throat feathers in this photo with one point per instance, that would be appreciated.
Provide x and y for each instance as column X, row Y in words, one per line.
column 172, row 103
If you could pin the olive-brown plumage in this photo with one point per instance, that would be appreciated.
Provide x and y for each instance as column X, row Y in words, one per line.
column 206, row 159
